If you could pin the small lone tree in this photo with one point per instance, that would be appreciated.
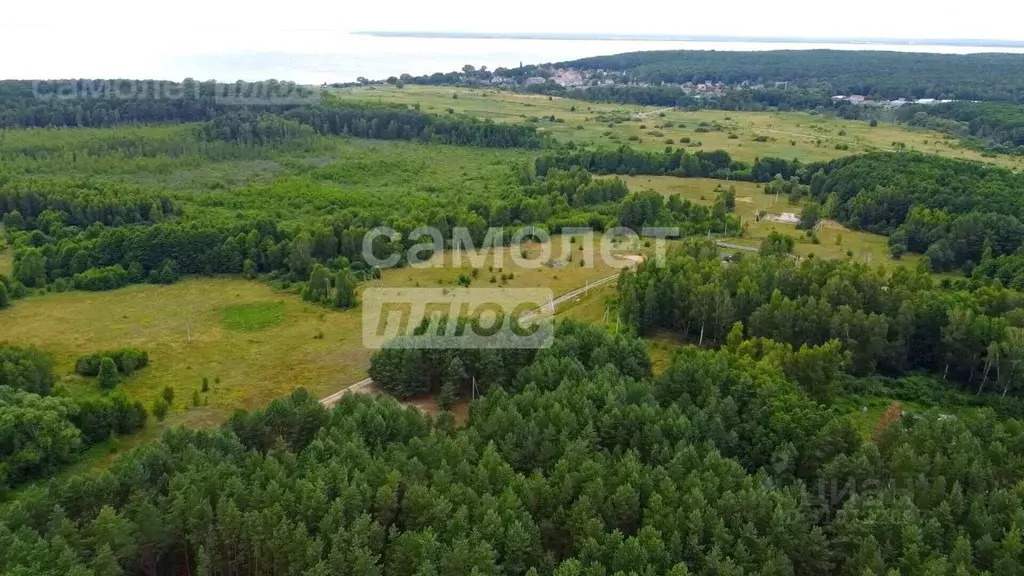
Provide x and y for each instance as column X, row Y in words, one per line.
column 447, row 396
column 345, row 290
column 456, row 372
column 319, row 285
column 169, row 395
column 5, row 300
column 160, row 409
column 108, row 373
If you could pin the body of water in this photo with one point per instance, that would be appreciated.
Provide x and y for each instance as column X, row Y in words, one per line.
column 320, row 56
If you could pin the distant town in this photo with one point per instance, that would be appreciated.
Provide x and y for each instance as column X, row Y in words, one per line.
column 582, row 79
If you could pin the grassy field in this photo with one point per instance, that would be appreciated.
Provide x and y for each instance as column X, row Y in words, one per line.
column 750, row 197
column 809, row 137
column 835, row 240
column 596, row 306
column 565, row 275
column 259, row 343
column 251, row 342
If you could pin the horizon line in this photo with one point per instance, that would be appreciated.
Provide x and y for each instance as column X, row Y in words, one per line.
column 972, row 42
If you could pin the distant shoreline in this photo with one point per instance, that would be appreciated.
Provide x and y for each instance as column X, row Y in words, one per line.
column 965, row 42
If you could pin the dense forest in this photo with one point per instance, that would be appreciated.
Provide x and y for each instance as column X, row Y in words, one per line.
column 25, row 104
column 827, row 312
column 870, row 73
column 95, row 233
column 990, row 126
column 586, row 464
column 950, row 210
column 74, row 221
column 672, row 161
column 810, row 416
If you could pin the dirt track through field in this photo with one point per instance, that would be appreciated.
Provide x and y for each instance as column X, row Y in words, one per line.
column 364, row 385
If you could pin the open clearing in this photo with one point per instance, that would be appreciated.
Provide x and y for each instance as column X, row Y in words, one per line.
column 254, row 365
column 807, row 136
column 252, row 343
column 750, row 197
column 835, row 241
column 556, row 265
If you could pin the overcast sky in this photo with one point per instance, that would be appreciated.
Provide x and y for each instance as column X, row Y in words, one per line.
column 305, row 40
column 212, row 23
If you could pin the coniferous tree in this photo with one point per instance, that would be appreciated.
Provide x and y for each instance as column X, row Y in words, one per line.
column 448, row 395
column 108, row 376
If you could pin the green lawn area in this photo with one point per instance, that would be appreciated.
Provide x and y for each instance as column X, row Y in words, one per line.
column 252, row 317
column 746, row 135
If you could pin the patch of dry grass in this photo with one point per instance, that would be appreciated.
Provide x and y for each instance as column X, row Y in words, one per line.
column 745, row 135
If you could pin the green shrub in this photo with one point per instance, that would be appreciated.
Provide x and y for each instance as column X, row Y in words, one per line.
column 99, row 279
column 160, row 407
column 108, row 373
column 127, row 361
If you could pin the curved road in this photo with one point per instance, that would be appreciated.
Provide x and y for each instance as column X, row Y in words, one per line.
column 366, row 383
column 350, row 389
column 569, row 296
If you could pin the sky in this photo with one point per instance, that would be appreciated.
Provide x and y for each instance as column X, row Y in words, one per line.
column 210, row 24
column 233, row 39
